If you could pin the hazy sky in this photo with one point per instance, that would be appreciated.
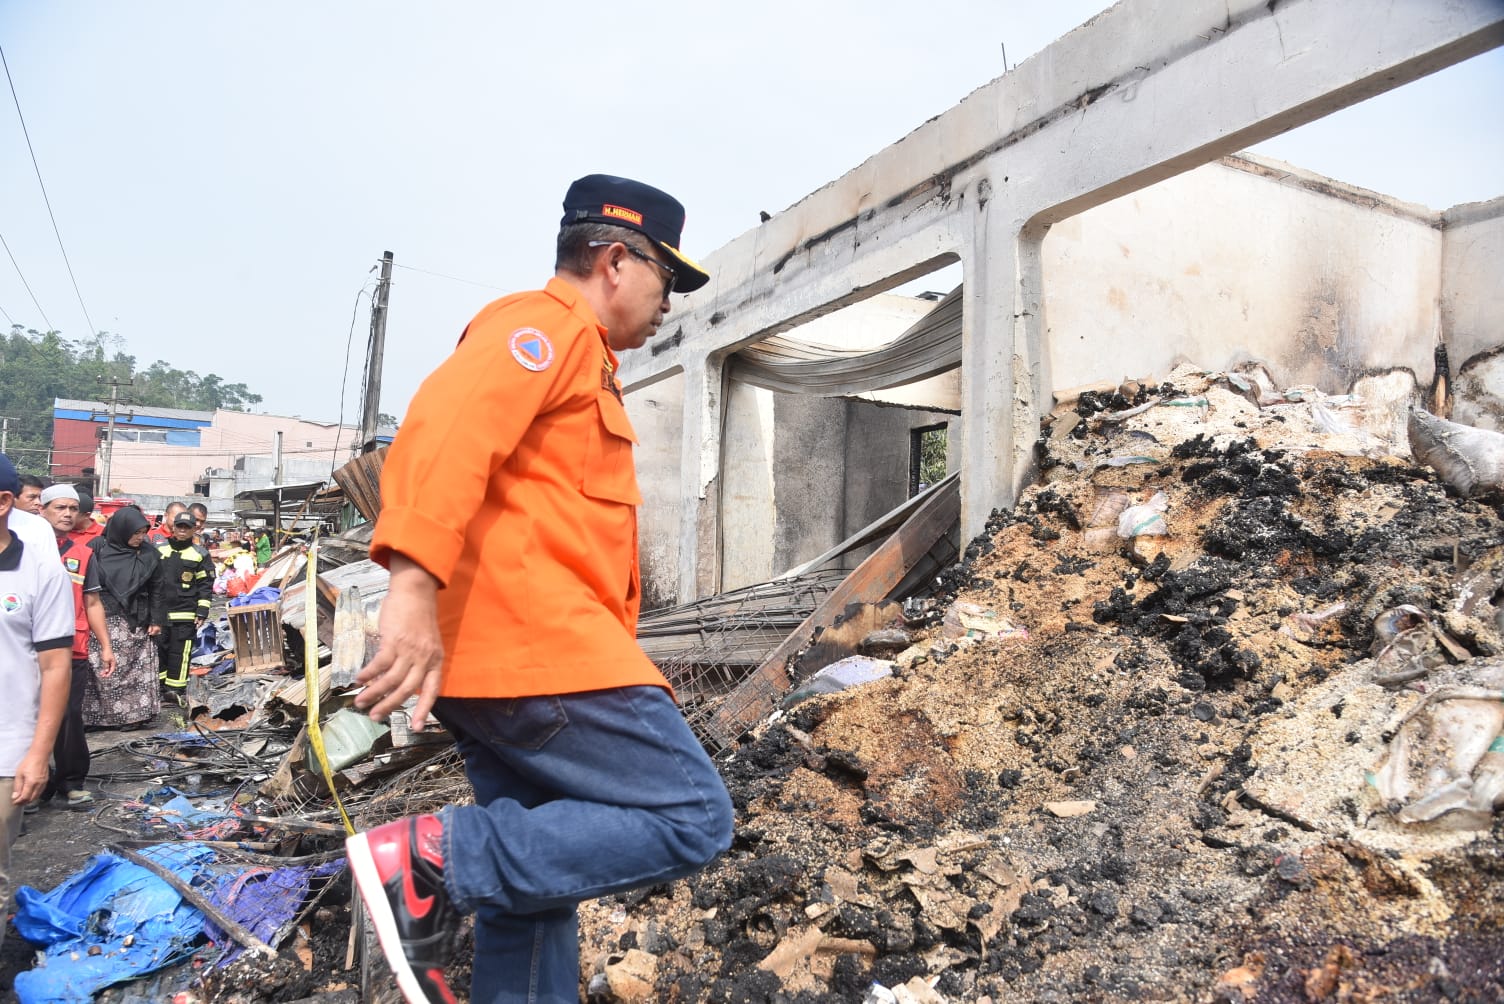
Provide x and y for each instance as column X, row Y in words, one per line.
column 224, row 177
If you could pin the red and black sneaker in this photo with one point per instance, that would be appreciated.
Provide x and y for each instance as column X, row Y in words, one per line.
column 399, row 870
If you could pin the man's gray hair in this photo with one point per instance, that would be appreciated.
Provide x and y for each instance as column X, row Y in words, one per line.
column 574, row 253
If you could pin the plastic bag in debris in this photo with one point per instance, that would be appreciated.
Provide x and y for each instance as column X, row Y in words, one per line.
column 348, row 737
column 916, row 991
column 261, row 594
column 1408, row 643
column 1446, row 760
column 191, row 821
column 137, row 921
column 1147, row 520
column 851, row 671
column 1469, row 459
column 969, row 621
column 204, row 641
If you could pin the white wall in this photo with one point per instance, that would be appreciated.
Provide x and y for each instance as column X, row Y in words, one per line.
column 656, row 415
column 1472, row 306
column 747, row 473
column 1226, row 263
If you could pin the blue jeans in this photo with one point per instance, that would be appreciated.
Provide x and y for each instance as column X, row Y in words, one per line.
column 576, row 796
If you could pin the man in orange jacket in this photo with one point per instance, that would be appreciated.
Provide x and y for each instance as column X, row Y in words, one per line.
column 512, row 614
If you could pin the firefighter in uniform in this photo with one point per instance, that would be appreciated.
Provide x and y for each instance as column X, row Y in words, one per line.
column 187, row 578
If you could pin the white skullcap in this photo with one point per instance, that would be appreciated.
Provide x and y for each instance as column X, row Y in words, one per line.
column 59, row 492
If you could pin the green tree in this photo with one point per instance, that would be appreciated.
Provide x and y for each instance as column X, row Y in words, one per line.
column 165, row 385
column 932, row 455
column 36, row 367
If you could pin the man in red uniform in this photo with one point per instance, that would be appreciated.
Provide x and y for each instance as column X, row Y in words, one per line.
column 85, row 527
column 70, row 753
column 512, row 614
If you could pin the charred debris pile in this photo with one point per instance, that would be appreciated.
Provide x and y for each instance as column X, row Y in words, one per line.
column 1207, row 716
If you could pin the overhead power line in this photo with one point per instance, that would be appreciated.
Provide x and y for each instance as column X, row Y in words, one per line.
column 441, row 275
column 26, row 284
column 344, row 377
column 37, row 167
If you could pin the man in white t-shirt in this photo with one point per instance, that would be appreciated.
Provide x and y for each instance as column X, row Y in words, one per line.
column 36, row 642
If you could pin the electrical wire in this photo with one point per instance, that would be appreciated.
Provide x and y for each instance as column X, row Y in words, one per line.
column 195, row 453
column 169, row 757
column 29, row 293
column 455, row 278
column 37, row 167
column 7, row 317
column 344, row 376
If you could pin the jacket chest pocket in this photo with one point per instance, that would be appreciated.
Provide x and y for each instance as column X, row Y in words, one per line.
column 609, row 473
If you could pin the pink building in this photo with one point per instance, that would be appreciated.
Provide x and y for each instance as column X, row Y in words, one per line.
column 164, row 451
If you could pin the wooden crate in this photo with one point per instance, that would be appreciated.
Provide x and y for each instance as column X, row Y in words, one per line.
column 257, row 630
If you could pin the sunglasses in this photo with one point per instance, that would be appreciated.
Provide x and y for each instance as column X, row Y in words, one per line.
column 672, row 276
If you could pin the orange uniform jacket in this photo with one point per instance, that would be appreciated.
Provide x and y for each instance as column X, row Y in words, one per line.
column 511, row 482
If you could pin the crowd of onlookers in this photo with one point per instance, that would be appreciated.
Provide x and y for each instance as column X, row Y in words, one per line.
column 238, row 552
column 142, row 588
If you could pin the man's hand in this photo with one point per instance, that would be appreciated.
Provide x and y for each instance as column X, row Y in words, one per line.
column 31, row 778
column 154, row 630
column 411, row 656
column 106, row 664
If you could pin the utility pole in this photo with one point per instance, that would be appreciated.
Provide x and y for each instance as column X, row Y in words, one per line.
column 277, row 460
column 103, row 488
column 371, row 401
column 4, row 431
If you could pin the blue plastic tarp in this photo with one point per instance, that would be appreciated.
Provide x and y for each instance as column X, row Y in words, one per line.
column 105, row 904
column 264, row 900
column 111, row 900
column 263, row 594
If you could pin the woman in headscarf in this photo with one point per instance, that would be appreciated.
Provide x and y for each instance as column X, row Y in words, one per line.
column 127, row 572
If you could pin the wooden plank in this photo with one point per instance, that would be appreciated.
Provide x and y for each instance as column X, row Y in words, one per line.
column 870, row 582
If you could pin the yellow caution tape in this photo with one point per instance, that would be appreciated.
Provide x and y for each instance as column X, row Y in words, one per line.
column 311, row 678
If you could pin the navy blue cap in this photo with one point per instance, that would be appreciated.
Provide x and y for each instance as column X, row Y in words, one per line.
column 622, row 202
column 10, row 481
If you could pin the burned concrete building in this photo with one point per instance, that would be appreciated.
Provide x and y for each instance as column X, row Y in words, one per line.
column 1106, row 226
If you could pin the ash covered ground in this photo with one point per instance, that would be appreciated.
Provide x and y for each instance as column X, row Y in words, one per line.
column 1074, row 815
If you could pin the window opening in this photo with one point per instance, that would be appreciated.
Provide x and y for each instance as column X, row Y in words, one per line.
column 926, row 457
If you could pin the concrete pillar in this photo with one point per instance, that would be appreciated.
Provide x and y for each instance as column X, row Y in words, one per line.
column 699, row 478
column 1002, row 349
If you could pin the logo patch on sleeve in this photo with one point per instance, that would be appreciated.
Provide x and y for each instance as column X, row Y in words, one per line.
column 532, row 349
